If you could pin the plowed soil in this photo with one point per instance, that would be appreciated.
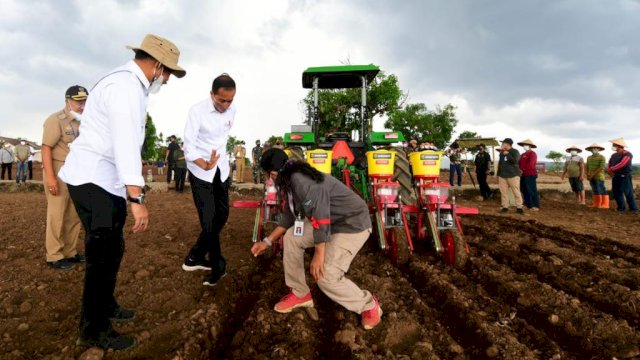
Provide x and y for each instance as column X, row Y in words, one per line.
column 562, row 283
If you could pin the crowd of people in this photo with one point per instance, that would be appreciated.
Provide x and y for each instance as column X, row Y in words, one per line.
column 22, row 155
column 93, row 178
column 517, row 175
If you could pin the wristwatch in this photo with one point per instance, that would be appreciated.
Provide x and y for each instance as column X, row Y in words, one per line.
column 138, row 199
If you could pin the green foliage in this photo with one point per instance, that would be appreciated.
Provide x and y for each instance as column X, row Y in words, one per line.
column 273, row 139
column 416, row 121
column 231, row 142
column 339, row 110
column 468, row 135
column 557, row 158
column 150, row 151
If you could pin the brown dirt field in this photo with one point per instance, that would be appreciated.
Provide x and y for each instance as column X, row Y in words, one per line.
column 563, row 283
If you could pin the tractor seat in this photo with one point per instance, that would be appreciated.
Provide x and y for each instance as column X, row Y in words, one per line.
column 341, row 150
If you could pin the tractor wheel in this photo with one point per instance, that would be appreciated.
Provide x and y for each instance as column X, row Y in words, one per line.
column 296, row 153
column 456, row 252
column 398, row 245
column 402, row 174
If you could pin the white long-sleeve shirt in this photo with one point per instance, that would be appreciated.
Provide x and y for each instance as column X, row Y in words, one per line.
column 207, row 129
column 107, row 151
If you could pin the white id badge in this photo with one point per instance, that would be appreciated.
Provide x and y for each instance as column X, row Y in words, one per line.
column 298, row 228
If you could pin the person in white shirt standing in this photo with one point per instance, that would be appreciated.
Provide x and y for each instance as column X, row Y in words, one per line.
column 205, row 141
column 103, row 170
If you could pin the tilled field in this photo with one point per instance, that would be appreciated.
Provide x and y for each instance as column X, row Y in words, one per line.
column 531, row 290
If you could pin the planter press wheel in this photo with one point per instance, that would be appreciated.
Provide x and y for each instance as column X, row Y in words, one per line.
column 398, row 245
column 455, row 248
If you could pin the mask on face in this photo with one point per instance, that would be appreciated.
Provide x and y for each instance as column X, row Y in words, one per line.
column 22, row 143
column 594, row 152
column 76, row 115
column 527, row 147
column 614, row 148
column 573, row 153
column 157, row 81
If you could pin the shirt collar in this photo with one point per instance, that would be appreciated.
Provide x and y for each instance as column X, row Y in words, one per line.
column 134, row 68
column 212, row 108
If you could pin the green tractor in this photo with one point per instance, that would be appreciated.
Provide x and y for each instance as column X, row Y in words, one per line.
column 404, row 205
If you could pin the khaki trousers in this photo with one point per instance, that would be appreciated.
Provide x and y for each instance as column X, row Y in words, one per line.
column 339, row 252
column 63, row 223
column 513, row 184
column 240, row 169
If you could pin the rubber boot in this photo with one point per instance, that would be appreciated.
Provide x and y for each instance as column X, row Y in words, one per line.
column 604, row 204
column 597, row 201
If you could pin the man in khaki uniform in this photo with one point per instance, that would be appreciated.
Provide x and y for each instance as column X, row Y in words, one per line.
column 240, row 152
column 63, row 223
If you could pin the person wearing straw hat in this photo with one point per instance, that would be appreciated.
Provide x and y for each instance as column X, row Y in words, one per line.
column 596, row 165
column 63, row 225
column 509, row 175
column 528, row 186
column 103, row 170
column 621, row 171
column 574, row 168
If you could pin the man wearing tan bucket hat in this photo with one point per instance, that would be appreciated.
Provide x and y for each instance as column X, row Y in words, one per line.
column 621, row 171
column 529, row 176
column 574, row 167
column 104, row 170
column 596, row 166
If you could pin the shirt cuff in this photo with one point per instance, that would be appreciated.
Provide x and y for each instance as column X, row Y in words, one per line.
column 320, row 236
column 135, row 180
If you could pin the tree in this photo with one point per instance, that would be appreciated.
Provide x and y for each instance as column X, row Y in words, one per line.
column 468, row 135
column 556, row 157
column 273, row 139
column 231, row 142
column 339, row 110
column 149, row 150
column 416, row 121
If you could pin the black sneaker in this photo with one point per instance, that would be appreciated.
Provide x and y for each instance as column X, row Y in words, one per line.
column 77, row 258
column 113, row 340
column 504, row 210
column 213, row 279
column 122, row 315
column 520, row 211
column 193, row 265
column 61, row 265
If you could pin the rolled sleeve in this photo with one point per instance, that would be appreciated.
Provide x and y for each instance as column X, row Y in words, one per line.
column 126, row 126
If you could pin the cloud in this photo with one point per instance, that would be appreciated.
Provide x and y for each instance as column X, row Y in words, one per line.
column 562, row 72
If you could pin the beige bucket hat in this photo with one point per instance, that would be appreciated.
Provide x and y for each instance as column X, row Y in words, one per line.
column 619, row 142
column 527, row 142
column 164, row 51
column 573, row 147
column 594, row 146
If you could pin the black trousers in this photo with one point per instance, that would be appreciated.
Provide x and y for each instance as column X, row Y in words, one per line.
column 103, row 216
column 30, row 165
column 212, row 202
column 7, row 168
column 485, row 190
column 171, row 167
column 180, row 176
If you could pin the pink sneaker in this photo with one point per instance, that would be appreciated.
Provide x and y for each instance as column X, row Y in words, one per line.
column 291, row 301
column 371, row 318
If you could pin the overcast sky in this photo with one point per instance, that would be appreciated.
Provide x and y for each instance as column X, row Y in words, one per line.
column 558, row 72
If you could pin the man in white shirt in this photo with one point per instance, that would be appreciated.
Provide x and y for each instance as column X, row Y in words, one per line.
column 103, row 170
column 205, row 141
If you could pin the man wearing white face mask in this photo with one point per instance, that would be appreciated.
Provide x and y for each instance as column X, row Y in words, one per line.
column 574, row 167
column 63, row 224
column 104, row 170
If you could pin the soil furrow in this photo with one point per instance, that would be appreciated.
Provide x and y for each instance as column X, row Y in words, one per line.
column 464, row 317
column 608, row 297
column 598, row 247
column 575, row 326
